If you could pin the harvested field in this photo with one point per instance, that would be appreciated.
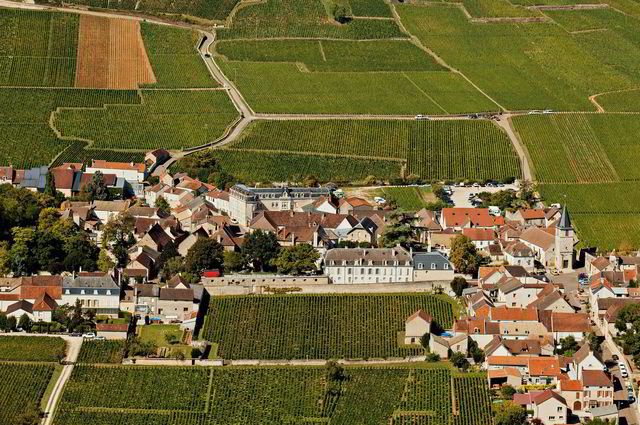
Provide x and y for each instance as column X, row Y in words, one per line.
column 111, row 54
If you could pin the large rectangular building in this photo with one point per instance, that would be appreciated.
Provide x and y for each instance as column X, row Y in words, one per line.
column 368, row 265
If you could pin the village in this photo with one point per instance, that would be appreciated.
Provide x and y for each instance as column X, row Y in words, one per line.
column 538, row 315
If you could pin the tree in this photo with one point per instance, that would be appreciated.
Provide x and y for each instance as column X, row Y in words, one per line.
column 163, row 206
column 96, row 189
column 171, row 339
column 234, row 261
column 568, row 346
column 397, row 232
column 595, row 343
column 296, row 260
column 509, row 413
column 105, row 263
column 335, row 371
column 117, row 236
column 81, row 253
column 459, row 360
column 5, row 258
column 4, row 322
column 424, row 340
column 25, row 323
column 476, row 352
column 508, row 391
column 464, row 256
column 458, row 284
column 23, row 262
column 432, row 357
column 260, row 248
column 50, row 187
column 169, row 251
column 172, row 267
column 12, row 323
column 205, row 254
column 633, row 283
column 340, row 13
column 598, row 421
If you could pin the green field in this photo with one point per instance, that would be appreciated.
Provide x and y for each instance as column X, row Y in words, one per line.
column 283, row 88
column 590, row 162
column 496, row 9
column 628, row 101
column 31, row 349
column 371, row 395
column 76, row 152
column 170, row 119
column 205, row 9
column 431, row 149
column 582, row 148
column 606, row 215
column 345, row 326
column 22, row 386
column 410, row 198
column 26, row 139
column 174, row 57
column 333, row 56
column 304, row 18
column 107, row 351
column 521, row 66
column 257, row 166
column 46, row 60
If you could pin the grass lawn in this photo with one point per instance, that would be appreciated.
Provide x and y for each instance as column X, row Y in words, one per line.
column 52, row 383
column 157, row 334
column 410, row 198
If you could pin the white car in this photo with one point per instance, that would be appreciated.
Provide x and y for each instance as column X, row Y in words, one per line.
column 379, row 200
column 421, row 117
column 89, row 335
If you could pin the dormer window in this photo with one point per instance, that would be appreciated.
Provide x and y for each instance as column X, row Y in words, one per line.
column 82, row 292
column 66, row 291
column 446, row 266
column 433, row 266
column 419, row 266
column 108, row 292
column 95, row 292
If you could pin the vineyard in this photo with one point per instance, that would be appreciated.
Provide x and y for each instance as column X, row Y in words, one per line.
column 304, row 18
column 549, row 76
column 21, row 386
column 495, row 9
column 407, row 198
column 316, row 326
column 31, row 349
column 432, row 149
column 107, row 351
column 208, row 10
column 283, row 88
column 258, row 166
column 174, row 57
column 274, row 395
column 331, row 55
column 79, row 152
column 605, row 215
column 26, row 139
column 46, row 60
column 628, row 101
column 172, row 119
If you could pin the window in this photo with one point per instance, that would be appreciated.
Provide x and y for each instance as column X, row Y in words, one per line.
column 433, row 266
column 348, row 271
column 552, row 418
column 95, row 292
column 361, row 271
column 446, row 266
column 82, row 292
column 66, row 291
column 108, row 292
column 559, row 409
column 185, row 309
column 419, row 266
column 377, row 271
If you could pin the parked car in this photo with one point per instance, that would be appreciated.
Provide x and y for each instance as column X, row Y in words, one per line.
column 421, row 117
column 615, row 357
column 76, row 334
column 100, row 338
column 89, row 335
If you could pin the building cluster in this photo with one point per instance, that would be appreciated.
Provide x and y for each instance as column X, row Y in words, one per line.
column 531, row 238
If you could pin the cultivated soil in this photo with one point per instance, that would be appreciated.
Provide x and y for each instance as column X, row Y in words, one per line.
column 111, row 54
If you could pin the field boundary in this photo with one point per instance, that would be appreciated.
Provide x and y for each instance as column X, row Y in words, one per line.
column 306, row 153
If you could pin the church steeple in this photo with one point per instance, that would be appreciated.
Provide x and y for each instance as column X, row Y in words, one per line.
column 565, row 220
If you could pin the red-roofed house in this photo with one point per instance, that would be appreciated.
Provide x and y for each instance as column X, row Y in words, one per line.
column 460, row 218
column 534, row 217
column 112, row 331
column 550, row 407
column 481, row 238
column 507, row 314
column 416, row 325
column 131, row 172
column 43, row 308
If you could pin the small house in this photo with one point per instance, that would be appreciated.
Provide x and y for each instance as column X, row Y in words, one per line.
column 416, row 325
column 112, row 331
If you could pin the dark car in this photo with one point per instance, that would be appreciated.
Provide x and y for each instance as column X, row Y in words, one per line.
column 615, row 357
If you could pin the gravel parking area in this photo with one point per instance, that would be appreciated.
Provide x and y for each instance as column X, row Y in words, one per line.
column 460, row 196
